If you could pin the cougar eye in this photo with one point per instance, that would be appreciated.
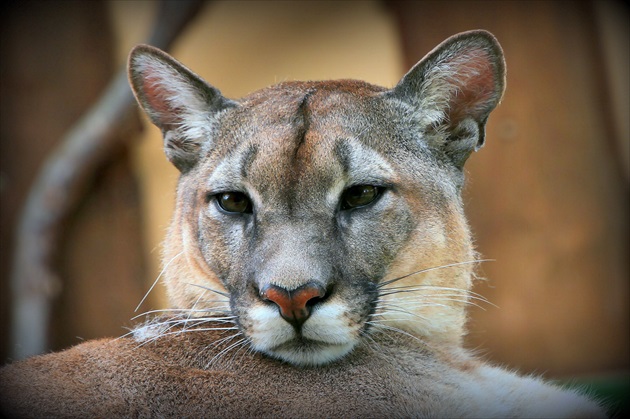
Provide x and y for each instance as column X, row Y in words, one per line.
column 235, row 202
column 359, row 196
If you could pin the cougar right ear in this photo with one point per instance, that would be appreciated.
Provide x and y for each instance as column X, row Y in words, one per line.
column 177, row 101
column 453, row 90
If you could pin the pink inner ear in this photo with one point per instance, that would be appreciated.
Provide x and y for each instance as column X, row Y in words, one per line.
column 476, row 86
column 157, row 99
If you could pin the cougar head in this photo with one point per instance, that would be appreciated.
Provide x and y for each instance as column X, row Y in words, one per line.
column 324, row 211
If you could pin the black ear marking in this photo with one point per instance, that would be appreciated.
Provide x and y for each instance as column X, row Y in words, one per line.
column 177, row 101
column 454, row 89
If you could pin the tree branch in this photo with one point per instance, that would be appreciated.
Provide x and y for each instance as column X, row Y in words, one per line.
column 62, row 182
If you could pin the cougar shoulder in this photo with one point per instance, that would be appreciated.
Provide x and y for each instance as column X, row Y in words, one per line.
column 184, row 375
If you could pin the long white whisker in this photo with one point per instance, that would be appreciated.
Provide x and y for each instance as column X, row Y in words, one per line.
column 179, row 332
column 205, row 329
column 198, row 320
column 447, row 297
column 248, row 351
column 450, row 265
column 191, row 311
column 157, row 279
column 443, row 305
column 225, row 350
column 430, row 302
column 395, row 329
column 387, row 307
column 189, row 314
column 225, row 339
column 388, row 319
column 399, row 309
column 420, row 287
column 174, row 310
column 424, row 296
column 238, row 348
column 204, row 287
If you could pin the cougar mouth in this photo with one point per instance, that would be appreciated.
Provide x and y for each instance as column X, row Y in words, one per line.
column 302, row 344
column 326, row 336
column 308, row 352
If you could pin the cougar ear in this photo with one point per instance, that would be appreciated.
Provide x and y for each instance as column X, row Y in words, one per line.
column 177, row 101
column 453, row 90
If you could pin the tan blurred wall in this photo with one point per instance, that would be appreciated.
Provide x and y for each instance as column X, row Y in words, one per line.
column 547, row 197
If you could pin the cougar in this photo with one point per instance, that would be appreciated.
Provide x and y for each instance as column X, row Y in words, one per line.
column 318, row 264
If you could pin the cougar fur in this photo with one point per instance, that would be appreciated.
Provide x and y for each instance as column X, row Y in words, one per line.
column 318, row 263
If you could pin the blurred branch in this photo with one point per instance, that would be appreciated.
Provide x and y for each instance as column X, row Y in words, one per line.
column 62, row 182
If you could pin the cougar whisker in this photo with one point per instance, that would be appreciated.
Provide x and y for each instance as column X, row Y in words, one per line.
column 421, row 287
column 392, row 308
column 450, row 265
column 158, row 278
column 395, row 329
column 205, row 287
column 179, row 332
column 224, row 351
column 173, row 310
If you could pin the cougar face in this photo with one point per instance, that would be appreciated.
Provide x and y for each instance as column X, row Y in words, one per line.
column 324, row 211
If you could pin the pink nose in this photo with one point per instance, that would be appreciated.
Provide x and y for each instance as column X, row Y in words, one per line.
column 295, row 306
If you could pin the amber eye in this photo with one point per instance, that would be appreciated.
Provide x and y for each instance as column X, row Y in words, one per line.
column 359, row 196
column 235, row 202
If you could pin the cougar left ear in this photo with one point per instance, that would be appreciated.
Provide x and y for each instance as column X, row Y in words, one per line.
column 453, row 90
column 177, row 101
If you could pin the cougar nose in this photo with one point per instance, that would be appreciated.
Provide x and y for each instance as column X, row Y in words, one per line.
column 295, row 306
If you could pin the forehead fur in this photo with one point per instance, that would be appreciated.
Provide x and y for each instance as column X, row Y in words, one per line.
column 293, row 119
column 297, row 134
column 284, row 114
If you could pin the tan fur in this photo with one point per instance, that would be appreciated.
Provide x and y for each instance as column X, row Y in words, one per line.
column 170, row 378
column 368, row 309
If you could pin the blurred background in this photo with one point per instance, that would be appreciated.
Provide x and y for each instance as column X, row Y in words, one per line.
column 547, row 196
